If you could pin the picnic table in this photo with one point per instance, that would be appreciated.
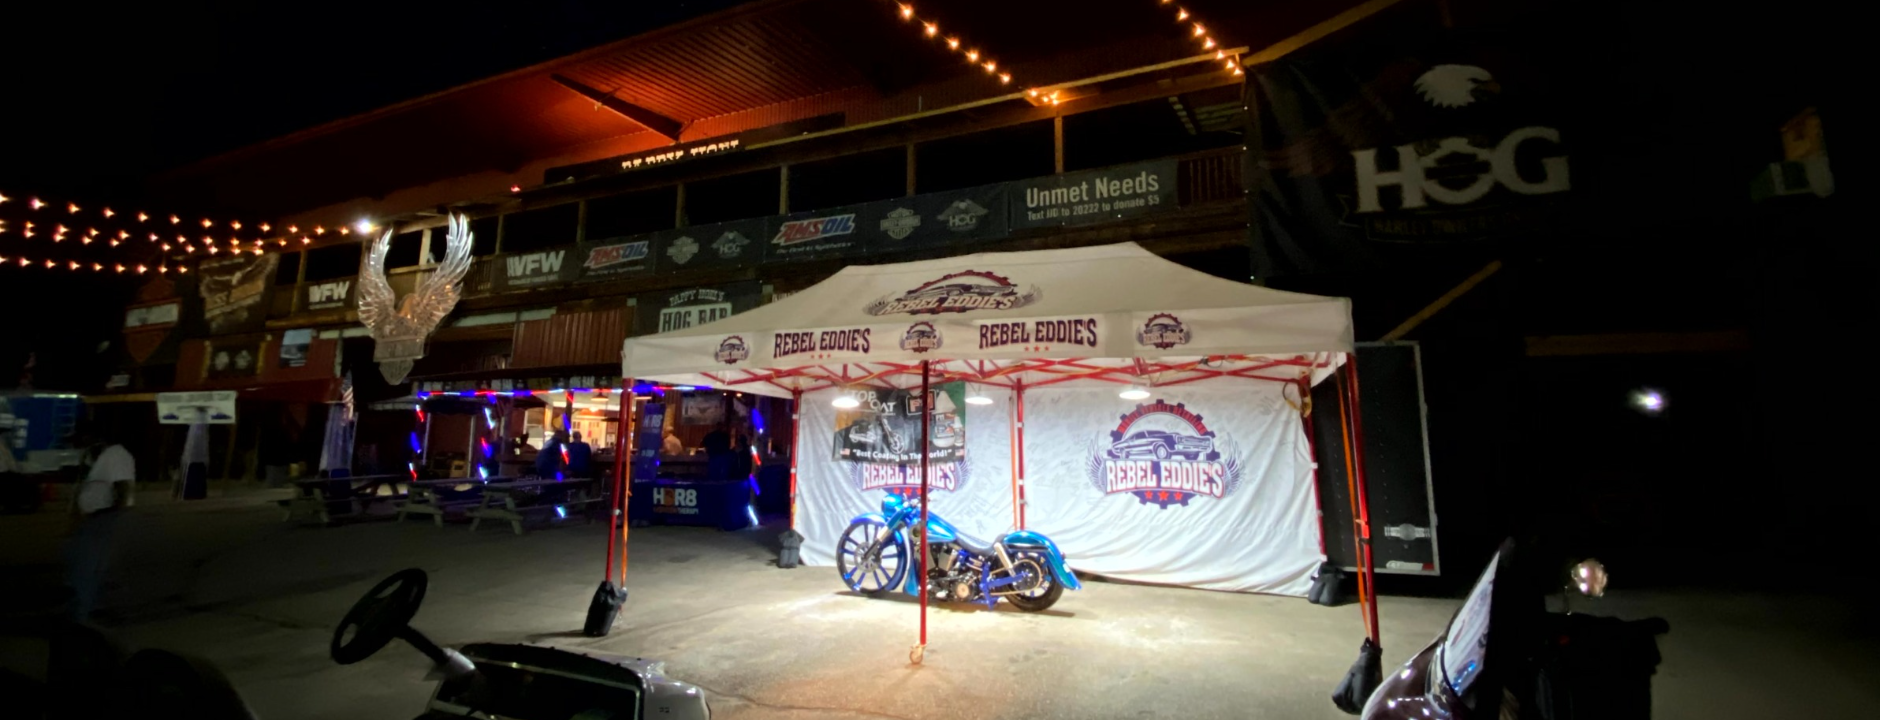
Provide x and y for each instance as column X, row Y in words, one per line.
column 349, row 495
column 508, row 500
column 437, row 497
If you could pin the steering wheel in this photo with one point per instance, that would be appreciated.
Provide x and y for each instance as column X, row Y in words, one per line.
column 379, row 617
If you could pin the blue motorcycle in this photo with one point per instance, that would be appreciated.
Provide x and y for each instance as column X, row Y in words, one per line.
column 1024, row 567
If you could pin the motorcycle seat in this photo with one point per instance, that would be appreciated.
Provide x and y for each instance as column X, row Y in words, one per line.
column 976, row 549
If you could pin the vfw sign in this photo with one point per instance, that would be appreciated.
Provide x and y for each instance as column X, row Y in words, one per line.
column 329, row 295
column 532, row 269
column 1418, row 174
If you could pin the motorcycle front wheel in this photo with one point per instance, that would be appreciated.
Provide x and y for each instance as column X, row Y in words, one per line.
column 1041, row 596
column 869, row 564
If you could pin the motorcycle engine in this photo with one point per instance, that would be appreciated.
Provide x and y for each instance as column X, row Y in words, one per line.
column 953, row 574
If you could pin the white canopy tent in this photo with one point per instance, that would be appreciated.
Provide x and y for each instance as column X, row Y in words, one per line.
column 1079, row 324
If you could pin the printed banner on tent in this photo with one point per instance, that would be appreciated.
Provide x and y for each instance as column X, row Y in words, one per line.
column 884, row 428
column 973, row 490
column 1204, row 487
column 1115, row 193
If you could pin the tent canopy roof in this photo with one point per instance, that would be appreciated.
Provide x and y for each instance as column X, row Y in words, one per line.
column 1111, row 313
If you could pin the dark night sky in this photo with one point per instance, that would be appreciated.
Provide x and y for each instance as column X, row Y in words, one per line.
column 97, row 97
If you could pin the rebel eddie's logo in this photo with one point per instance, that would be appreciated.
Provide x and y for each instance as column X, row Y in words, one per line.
column 732, row 350
column 957, row 293
column 1163, row 453
column 1163, row 331
column 920, row 337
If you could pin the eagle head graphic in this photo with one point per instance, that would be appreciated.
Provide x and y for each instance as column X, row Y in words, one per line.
column 1454, row 86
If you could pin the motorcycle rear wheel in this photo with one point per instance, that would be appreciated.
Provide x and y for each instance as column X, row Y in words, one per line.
column 891, row 559
column 1037, row 599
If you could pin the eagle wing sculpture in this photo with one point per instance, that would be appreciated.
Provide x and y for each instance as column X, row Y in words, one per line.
column 410, row 320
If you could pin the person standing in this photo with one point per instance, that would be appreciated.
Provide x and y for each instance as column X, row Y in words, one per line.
column 718, row 459
column 580, row 456
column 98, row 507
column 548, row 459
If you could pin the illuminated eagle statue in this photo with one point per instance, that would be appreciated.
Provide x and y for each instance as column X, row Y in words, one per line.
column 400, row 326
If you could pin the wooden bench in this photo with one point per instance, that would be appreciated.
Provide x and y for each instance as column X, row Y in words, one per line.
column 427, row 498
column 349, row 496
column 580, row 493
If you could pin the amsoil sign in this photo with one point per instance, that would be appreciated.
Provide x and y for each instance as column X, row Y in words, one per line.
column 608, row 259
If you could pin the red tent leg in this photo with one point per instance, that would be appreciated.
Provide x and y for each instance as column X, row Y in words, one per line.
column 1019, row 392
column 796, row 413
column 1364, row 500
column 920, row 537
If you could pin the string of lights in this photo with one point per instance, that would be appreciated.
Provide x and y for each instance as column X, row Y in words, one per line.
column 39, row 219
column 18, row 262
column 930, row 28
column 1201, row 36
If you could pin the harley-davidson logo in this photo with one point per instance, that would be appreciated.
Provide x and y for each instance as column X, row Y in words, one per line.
column 1163, row 331
column 920, row 337
column 900, row 223
column 732, row 350
column 682, row 249
column 958, row 292
column 1163, row 453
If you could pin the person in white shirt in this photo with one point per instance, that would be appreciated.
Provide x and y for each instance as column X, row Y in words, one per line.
column 98, row 505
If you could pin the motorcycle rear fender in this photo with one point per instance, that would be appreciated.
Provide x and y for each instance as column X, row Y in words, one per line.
column 1028, row 540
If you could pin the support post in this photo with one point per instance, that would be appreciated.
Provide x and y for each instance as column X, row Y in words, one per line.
column 1364, row 501
column 1019, row 390
column 920, row 536
column 1057, row 144
column 623, row 462
column 796, row 443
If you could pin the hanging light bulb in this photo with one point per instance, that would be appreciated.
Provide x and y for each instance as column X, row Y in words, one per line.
column 972, row 56
column 72, row 208
column 1180, row 14
column 235, row 224
column 24, row 261
column 141, row 269
column 4, row 198
column 85, row 240
column 1200, row 31
column 163, row 269
column 293, row 229
column 953, row 43
column 317, row 230
column 1229, row 65
column 305, row 240
column 124, row 234
column 36, row 204
column 120, row 267
column 50, row 264
column 1208, row 44
column 207, row 223
column 990, row 66
column 1220, row 54
column 28, row 231
column 142, row 217
column 182, row 269
column 265, row 227
column 115, row 242
column 74, row 265
column 846, row 401
column 166, row 247
column 1005, row 78
column 212, row 250
column 108, row 213
column 907, row 11
column 933, row 29
column 1134, row 393
column 153, row 237
column 92, row 232
column 97, row 266
column 175, row 220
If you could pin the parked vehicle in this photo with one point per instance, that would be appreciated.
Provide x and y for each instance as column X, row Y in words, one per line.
column 1024, row 568
column 1504, row 656
column 89, row 675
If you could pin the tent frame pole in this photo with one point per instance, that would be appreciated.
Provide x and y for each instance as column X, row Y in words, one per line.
column 920, row 536
column 1018, row 389
column 796, row 443
column 623, row 462
column 1364, row 500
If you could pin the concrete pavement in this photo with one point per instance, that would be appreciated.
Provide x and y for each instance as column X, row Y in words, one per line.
column 225, row 579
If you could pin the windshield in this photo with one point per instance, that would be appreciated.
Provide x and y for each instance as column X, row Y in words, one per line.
column 1465, row 649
